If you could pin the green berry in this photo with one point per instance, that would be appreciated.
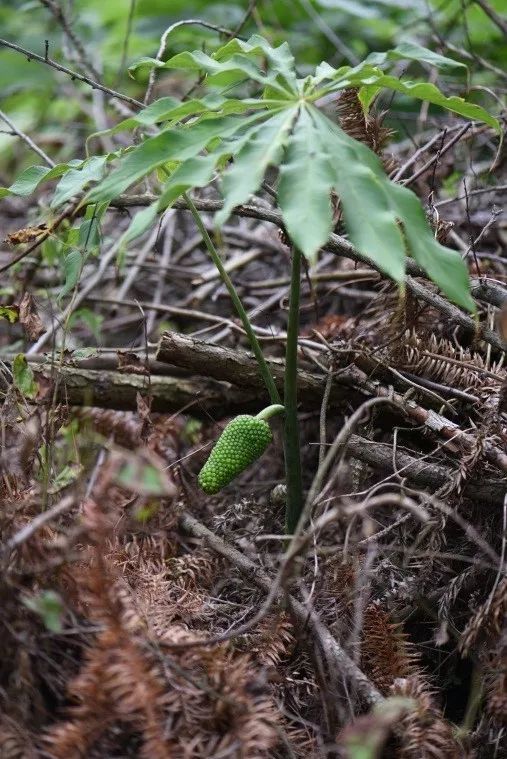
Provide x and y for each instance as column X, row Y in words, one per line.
column 242, row 441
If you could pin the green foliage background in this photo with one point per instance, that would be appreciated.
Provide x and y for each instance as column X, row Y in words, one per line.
column 33, row 97
column 333, row 53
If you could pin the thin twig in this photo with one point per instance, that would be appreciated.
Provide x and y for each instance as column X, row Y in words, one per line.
column 39, row 521
column 31, row 56
column 31, row 144
column 438, row 155
column 60, row 15
column 483, row 191
column 500, row 22
column 163, row 46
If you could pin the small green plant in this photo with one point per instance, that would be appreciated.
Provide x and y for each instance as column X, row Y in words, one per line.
column 49, row 606
column 257, row 113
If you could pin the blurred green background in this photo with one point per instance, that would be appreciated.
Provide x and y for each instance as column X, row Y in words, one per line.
column 114, row 33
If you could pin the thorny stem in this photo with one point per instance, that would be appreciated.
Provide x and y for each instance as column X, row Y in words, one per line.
column 254, row 343
column 291, row 437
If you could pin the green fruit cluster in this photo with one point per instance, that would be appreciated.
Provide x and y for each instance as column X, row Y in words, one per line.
column 242, row 441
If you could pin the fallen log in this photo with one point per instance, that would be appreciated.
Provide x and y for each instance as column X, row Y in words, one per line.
column 240, row 367
column 118, row 390
column 420, row 471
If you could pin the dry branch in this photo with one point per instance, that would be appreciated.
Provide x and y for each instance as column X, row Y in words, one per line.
column 230, row 383
column 340, row 246
column 238, row 367
column 117, row 390
column 422, row 472
column 31, row 56
column 345, row 668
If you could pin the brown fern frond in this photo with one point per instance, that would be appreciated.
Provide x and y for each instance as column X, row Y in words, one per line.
column 496, row 679
column 386, row 653
column 242, row 719
column 126, row 428
column 212, row 702
column 272, row 640
column 367, row 129
column 193, row 570
column 118, row 682
column 423, row 732
column 439, row 360
column 15, row 740
column 488, row 620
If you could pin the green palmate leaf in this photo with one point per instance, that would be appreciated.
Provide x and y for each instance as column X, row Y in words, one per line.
column 444, row 266
column 234, row 62
column 304, row 191
column 280, row 59
column 427, row 91
column 278, row 128
column 31, row 178
column 172, row 144
column 262, row 149
column 75, row 180
column 410, row 51
column 363, row 189
column 373, row 206
column 221, row 73
column 23, row 377
column 170, row 109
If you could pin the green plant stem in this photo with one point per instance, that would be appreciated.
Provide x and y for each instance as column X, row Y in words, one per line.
column 254, row 343
column 292, row 447
column 270, row 411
